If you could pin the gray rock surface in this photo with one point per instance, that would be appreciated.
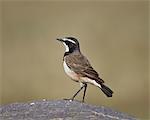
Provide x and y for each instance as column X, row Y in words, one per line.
column 59, row 110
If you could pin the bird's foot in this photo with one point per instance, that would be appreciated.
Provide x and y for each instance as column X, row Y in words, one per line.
column 69, row 99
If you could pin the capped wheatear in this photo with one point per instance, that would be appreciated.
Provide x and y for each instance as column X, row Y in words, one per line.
column 77, row 66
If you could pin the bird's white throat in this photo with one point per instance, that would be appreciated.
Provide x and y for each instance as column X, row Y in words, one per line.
column 66, row 47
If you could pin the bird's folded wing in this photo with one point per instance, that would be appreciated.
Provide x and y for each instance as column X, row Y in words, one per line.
column 80, row 65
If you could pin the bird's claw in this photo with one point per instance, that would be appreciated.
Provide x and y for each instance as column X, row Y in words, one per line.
column 68, row 99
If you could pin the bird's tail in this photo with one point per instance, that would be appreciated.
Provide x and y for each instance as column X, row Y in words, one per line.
column 107, row 91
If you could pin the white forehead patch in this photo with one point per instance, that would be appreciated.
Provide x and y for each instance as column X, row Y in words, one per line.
column 65, row 39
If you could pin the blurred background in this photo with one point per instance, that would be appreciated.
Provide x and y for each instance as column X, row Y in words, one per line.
column 113, row 35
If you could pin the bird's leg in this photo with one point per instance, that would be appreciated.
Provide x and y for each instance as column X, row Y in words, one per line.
column 77, row 92
column 85, row 87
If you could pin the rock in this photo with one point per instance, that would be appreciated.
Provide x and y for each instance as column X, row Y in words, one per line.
column 59, row 110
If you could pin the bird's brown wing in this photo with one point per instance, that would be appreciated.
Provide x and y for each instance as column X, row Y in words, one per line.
column 80, row 65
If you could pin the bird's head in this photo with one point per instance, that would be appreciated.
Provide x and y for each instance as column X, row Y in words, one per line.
column 71, row 44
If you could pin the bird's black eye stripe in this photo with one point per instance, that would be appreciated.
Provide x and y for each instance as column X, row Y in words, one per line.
column 69, row 43
column 71, row 46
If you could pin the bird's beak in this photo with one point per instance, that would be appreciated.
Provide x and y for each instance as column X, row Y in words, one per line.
column 59, row 39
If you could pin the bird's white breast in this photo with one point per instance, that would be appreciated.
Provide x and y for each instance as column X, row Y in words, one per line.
column 69, row 72
column 77, row 78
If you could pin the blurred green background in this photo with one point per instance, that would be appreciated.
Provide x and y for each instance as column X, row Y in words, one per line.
column 113, row 35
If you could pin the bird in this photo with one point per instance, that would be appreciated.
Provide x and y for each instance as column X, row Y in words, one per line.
column 79, row 69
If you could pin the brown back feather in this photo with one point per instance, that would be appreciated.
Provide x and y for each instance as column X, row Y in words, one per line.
column 80, row 65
